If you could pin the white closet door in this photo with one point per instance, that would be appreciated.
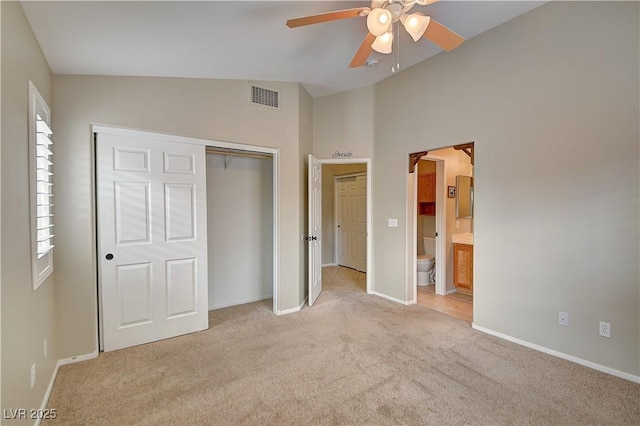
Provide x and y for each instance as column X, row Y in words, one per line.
column 152, row 234
column 352, row 222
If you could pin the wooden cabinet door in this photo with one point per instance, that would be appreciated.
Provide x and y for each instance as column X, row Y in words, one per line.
column 463, row 267
column 427, row 188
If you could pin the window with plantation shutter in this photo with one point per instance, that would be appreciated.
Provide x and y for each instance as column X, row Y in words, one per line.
column 41, row 186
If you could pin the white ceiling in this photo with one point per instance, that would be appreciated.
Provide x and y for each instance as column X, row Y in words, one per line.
column 236, row 39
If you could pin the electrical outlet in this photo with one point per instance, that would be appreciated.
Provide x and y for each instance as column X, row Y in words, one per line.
column 393, row 223
column 33, row 375
column 44, row 349
column 563, row 319
column 605, row 329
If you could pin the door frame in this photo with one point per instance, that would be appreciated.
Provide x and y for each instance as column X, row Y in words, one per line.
column 369, row 174
column 146, row 134
column 441, row 226
column 336, row 212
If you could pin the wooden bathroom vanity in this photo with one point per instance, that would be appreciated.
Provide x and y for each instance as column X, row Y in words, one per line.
column 463, row 268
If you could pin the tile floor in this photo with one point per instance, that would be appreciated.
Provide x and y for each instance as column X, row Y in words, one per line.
column 449, row 304
column 342, row 279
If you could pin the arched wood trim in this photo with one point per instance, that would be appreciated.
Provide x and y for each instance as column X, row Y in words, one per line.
column 414, row 158
column 467, row 148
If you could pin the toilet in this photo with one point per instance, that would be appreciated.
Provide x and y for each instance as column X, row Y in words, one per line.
column 426, row 262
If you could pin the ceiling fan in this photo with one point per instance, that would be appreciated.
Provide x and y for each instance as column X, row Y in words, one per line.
column 380, row 19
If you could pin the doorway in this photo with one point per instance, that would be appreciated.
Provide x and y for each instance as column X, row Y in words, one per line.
column 326, row 234
column 451, row 163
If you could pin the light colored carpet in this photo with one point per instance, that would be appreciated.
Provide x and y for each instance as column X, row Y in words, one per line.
column 352, row 358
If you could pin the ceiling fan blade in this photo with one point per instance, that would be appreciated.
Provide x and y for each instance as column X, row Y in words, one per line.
column 442, row 36
column 363, row 52
column 325, row 17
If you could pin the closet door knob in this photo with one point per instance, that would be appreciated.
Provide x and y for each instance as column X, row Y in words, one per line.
column 109, row 256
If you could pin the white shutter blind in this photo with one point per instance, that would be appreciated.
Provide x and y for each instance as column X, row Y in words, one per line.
column 40, row 187
column 44, row 188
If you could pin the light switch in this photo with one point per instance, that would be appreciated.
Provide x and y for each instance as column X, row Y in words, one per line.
column 393, row 223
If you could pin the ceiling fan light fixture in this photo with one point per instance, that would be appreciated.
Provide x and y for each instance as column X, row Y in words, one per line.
column 383, row 43
column 379, row 21
column 416, row 24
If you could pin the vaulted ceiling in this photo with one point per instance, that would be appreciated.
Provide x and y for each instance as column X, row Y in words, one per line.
column 237, row 39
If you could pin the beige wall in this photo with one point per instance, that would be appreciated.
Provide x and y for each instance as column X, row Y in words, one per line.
column 209, row 109
column 344, row 122
column 329, row 172
column 552, row 106
column 28, row 316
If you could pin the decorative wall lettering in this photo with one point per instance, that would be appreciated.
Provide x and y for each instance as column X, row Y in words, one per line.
column 338, row 154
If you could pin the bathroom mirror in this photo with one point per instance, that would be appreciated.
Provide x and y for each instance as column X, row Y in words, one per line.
column 464, row 197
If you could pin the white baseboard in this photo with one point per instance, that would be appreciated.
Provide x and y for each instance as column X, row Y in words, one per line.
column 393, row 299
column 593, row 365
column 239, row 302
column 453, row 290
column 78, row 358
column 292, row 310
column 60, row 362
column 329, row 264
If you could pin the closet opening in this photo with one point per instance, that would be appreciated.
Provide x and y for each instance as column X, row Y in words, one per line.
column 241, row 226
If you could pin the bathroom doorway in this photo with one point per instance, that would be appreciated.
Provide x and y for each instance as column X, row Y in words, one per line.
column 438, row 217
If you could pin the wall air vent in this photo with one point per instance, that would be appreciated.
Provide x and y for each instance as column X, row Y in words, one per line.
column 266, row 97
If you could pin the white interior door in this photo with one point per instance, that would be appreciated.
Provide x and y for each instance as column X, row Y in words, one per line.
column 152, row 233
column 314, row 237
column 352, row 222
